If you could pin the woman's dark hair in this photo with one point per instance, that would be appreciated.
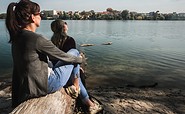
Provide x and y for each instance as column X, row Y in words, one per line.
column 59, row 35
column 19, row 15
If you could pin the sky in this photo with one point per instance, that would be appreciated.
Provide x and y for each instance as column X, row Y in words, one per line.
column 140, row 6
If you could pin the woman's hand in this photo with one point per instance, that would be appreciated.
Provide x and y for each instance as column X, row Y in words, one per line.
column 84, row 62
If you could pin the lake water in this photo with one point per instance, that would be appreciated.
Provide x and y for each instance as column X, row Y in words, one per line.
column 150, row 51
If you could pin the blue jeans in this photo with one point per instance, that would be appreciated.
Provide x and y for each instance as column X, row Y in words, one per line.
column 63, row 74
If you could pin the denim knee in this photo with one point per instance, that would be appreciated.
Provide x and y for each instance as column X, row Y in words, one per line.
column 74, row 52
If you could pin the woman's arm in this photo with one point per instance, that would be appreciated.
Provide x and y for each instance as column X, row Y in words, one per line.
column 47, row 47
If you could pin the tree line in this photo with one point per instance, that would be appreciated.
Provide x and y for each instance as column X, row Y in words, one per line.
column 110, row 14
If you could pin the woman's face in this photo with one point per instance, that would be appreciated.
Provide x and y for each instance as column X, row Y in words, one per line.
column 65, row 28
column 37, row 19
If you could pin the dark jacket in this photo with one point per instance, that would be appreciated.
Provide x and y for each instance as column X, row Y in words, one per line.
column 69, row 43
column 30, row 68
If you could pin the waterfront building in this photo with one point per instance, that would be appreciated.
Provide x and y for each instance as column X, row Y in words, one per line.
column 50, row 14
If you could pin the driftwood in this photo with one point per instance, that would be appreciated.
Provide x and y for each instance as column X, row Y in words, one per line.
column 107, row 43
column 55, row 103
column 85, row 45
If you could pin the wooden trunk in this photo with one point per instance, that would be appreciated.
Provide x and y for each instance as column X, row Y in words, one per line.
column 55, row 103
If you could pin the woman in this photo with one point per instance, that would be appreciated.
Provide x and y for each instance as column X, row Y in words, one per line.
column 30, row 52
column 65, row 43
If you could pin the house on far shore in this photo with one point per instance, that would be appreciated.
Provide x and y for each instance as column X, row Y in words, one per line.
column 49, row 14
column 181, row 16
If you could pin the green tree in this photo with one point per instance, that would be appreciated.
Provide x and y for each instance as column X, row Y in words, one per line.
column 76, row 17
column 93, row 15
column 132, row 15
column 125, row 14
column 3, row 16
column 156, row 15
column 109, row 10
column 65, row 16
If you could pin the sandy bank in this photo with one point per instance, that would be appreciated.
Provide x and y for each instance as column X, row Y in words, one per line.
column 121, row 100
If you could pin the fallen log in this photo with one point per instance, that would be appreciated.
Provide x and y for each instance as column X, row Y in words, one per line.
column 107, row 43
column 85, row 45
column 55, row 103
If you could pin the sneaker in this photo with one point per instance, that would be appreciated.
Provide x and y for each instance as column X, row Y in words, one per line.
column 71, row 91
column 96, row 108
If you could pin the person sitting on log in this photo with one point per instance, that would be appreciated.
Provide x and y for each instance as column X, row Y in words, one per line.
column 66, row 43
column 30, row 52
